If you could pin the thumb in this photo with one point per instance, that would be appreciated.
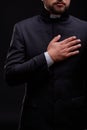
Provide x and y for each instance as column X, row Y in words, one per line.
column 56, row 39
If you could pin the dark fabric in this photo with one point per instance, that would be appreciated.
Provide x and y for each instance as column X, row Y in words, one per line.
column 55, row 97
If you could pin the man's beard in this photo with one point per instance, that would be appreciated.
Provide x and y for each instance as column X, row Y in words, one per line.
column 53, row 10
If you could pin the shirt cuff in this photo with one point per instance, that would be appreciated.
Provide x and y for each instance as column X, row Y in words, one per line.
column 48, row 59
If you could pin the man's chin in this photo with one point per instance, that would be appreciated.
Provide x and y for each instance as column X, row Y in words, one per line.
column 58, row 10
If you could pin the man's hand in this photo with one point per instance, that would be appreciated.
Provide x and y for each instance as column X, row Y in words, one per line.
column 63, row 49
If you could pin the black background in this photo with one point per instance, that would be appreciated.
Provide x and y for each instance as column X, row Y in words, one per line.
column 10, row 13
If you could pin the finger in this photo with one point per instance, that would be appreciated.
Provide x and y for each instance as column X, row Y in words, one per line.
column 74, row 42
column 55, row 39
column 67, row 40
column 75, row 47
column 73, row 53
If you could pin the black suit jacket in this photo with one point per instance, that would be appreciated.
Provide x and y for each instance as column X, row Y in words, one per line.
column 55, row 97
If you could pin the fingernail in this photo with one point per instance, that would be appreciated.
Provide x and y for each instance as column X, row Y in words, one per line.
column 74, row 36
column 79, row 40
column 59, row 35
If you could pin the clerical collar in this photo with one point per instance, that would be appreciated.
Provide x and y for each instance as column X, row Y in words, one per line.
column 53, row 16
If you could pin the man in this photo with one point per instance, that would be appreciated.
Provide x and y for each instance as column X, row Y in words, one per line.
column 48, row 52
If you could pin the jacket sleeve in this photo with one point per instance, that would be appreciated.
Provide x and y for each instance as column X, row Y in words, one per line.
column 17, row 69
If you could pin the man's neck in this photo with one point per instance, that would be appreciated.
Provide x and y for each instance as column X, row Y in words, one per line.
column 51, row 17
